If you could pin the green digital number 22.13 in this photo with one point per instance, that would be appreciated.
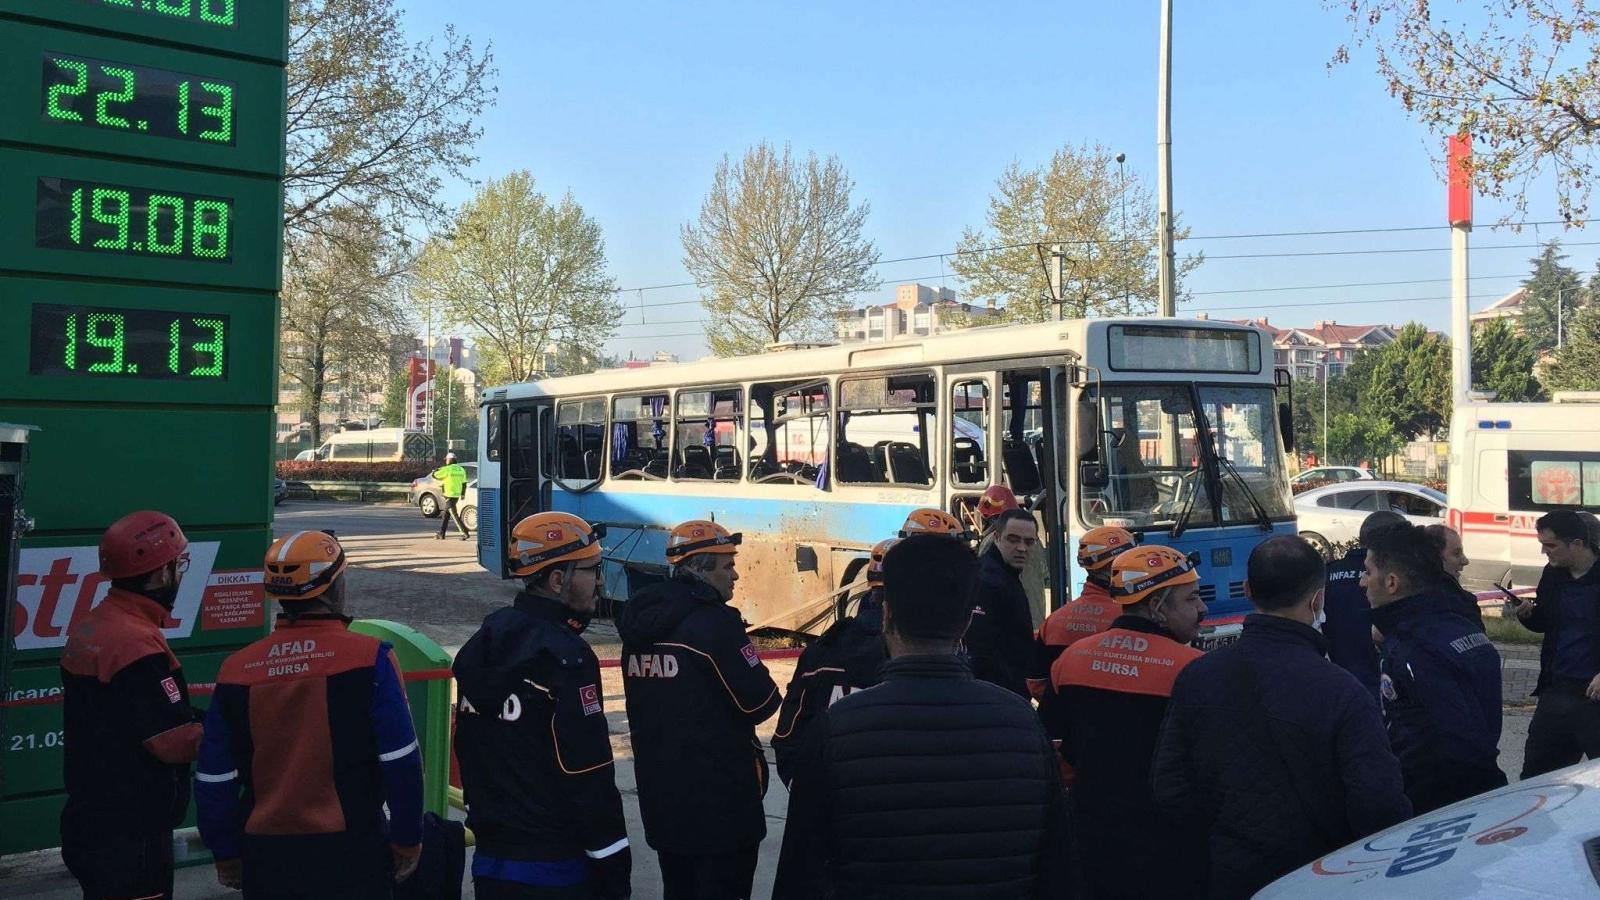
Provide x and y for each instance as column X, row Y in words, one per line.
column 56, row 107
column 212, row 12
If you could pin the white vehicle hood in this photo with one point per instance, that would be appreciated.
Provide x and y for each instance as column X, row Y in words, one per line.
column 1524, row 840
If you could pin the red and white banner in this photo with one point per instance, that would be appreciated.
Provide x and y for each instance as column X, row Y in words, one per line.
column 56, row 585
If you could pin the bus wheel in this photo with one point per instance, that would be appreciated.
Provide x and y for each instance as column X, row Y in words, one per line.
column 841, row 602
column 1318, row 542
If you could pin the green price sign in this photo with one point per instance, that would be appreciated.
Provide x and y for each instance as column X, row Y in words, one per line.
column 136, row 98
column 218, row 13
column 258, row 29
column 102, row 218
column 127, row 343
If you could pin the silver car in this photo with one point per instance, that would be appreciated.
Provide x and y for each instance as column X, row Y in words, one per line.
column 1333, row 514
column 427, row 495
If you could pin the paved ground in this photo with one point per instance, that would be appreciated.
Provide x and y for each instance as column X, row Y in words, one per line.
column 400, row 572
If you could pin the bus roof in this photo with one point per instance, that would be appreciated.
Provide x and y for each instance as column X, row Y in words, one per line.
column 990, row 342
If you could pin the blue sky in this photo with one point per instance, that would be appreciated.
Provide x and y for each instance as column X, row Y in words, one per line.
column 631, row 106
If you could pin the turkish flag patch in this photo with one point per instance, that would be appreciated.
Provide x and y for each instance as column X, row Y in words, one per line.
column 590, row 695
column 749, row 652
column 170, row 685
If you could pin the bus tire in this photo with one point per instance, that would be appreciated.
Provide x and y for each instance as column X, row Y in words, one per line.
column 841, row 603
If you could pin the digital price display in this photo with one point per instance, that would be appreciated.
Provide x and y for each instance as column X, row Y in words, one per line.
column 136, row 98
column 127, row 343
column 105, row 218
column 210, row 12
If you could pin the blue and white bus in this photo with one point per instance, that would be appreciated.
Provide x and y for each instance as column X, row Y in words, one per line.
column 1168, row 427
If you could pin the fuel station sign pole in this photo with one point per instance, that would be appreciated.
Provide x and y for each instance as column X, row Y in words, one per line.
column 141, row 166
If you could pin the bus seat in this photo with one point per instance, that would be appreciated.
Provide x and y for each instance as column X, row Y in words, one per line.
column 591, row 464
column 1022, row 470
column 696, row 463
column 725, row 466
column 657, row 465
column 966, row 455
column 855, row 465
column 906, row 465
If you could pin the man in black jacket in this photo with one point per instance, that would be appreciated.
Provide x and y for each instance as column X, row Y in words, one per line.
column 1566, row 609
column 696, row 690
column 531, row 732
column 1272, row 752
column 1441, row 675
column 1000, row 639
column 1348, row 615
column 932, row 785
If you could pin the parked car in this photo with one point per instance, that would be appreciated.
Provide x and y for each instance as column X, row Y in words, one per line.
column 280, row 491
column 1333, row 514
column 1335, row 474
column 1535, row 838
column 427, row 494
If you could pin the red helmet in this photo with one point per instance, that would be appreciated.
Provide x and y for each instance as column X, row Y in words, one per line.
column 139, row 543
column 996, row 500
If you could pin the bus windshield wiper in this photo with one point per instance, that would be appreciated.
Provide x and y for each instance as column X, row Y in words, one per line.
column 1181, row 524
column 1255, row 504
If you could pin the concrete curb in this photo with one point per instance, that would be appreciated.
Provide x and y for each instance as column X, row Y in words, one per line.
column 357, row 491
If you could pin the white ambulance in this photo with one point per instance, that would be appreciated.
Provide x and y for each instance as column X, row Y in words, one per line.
column 1511, row 463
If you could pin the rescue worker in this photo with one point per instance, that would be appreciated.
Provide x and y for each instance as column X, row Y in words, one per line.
column 1113, row 691
column 1000, row 638
column 996, row 499
column 130, row 732
column 1440, row 679
column 307, row 739
column 531, row 732
column 927, row 520
column 695, row 692
column 1091, row 613
column 846, row 658
column 452, row 478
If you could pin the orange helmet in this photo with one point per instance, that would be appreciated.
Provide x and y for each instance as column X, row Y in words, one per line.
column 996, row 500
column 934, row 521
column 140, row 542
column 545, row 539
column 1099, row 546
column 875, row 563
column 303, row 565
column 1137, row 573
column 700, row 536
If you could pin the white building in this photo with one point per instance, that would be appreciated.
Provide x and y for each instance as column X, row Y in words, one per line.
column 918, row 310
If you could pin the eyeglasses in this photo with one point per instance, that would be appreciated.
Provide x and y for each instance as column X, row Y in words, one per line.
column 593, row 568
column 183, row 563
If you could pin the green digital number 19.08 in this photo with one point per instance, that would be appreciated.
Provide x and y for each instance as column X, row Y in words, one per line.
column 173, row 224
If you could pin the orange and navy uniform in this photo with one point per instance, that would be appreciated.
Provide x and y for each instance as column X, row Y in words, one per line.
column 308, row 737
column 1090, row 614
column 130, row 732
column 1112, row 693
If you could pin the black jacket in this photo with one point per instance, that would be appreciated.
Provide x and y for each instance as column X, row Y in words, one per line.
column 1441, row 699
column 1547, row 619
column 1349, row 625
column 1112, row 693
column 533, row 745
column 1274, row 756
column 1000, row 639
column 696, row 691
column 931, row 786
column 846, row 658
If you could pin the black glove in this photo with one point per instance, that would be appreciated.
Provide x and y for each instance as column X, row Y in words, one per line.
column 613, row 875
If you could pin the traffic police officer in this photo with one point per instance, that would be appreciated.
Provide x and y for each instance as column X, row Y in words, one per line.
column 1113, row 690
column 307, row 739
column 696, row 691
column 1091, row 613
column 844, row 659
column 531, row 732
column 130, row 732
column 452, row 478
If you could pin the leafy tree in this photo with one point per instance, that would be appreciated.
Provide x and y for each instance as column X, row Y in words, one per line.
column 778, row 247
column 1410, row 384
column 1550, row 282
column 1576, row 366
column 340, row 313
column 375, row 123
column 1105, row 223
column 1521, row 76
column 395, row 397
column 524, row 276
column 1502, row 361
column 1353, row 437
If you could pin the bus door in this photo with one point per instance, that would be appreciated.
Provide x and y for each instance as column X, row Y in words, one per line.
column 515, row 442
column 971, row 444
column 1032, row 417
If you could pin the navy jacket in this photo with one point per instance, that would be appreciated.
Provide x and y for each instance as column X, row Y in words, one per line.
column 1349, row 625
column 845, row 659
column 1273, row 756
column 1000, row 639
column 1547, row 619
column 1441, row 699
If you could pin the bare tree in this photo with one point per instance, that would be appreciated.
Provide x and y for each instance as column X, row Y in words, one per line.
column 526, row 277
column 373, row 122
column 778, row 248
column 1523, row 79
column 340, row 309
column 1104, row 222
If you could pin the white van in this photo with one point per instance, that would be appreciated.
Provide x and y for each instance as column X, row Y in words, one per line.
column 373, row 445
column 1511, row 463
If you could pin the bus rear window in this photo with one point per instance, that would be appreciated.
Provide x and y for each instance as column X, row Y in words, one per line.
column 1554, row 479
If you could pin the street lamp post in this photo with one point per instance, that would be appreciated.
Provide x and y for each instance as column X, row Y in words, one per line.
column 1325, row 455
column 1122, row 197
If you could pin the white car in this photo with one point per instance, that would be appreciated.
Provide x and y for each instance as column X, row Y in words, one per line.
column 1336, row 474
column 1535, row 838
column 1333, row 514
